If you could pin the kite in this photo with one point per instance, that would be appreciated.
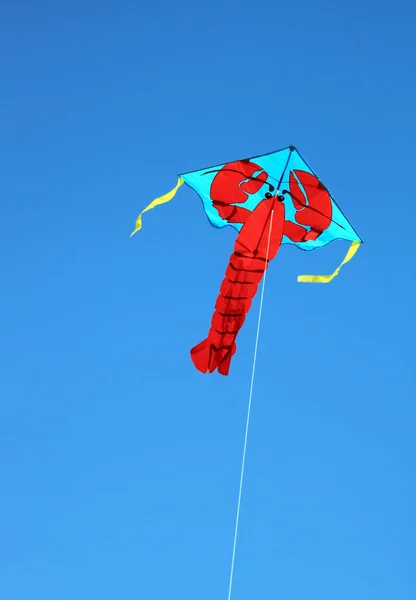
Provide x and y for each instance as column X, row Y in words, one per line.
column 271, row 199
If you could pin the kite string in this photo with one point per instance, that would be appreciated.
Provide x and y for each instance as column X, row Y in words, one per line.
column 249, row 412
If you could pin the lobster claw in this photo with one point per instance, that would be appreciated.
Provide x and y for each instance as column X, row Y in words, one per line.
column 232, row 185
column 312, row 203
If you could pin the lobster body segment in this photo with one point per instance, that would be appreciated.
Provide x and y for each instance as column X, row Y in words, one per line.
column 250, row 259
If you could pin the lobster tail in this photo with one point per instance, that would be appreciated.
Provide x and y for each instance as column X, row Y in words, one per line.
column 207, row 357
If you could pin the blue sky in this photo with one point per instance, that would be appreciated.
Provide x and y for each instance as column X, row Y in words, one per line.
column 119, row 462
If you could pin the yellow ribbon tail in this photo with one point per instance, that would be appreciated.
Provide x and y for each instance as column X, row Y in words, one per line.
column 161, row 200
column 327, row 278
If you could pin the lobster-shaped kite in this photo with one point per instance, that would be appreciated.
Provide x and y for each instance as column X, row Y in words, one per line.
column 271, row 200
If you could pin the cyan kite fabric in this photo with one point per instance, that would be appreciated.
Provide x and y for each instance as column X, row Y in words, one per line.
column 272, row 199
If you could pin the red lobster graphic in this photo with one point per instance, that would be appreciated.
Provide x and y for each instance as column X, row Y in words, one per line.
column 230, row 187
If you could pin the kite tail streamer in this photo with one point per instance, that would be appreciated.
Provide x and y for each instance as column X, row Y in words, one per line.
column 161, row 200
column 327, row 278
